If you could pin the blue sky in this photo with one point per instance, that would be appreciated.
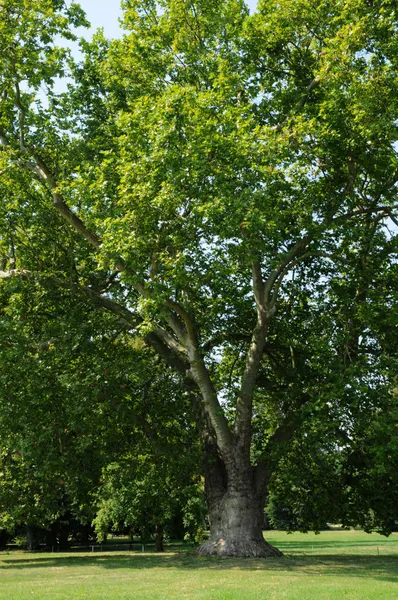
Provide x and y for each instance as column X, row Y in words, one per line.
column 105, row 13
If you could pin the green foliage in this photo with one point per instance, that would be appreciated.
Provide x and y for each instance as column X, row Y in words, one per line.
column 205, row 145
column 81, row 395
column 139, row 493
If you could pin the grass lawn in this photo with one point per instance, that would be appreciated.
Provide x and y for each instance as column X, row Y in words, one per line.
column 333, row 565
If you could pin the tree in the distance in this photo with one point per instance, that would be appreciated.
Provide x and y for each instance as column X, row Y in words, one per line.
column 218, row 172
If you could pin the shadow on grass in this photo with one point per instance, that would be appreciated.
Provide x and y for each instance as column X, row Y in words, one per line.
column 382, row 568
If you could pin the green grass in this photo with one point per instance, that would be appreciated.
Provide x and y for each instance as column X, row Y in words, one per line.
column 333, row 565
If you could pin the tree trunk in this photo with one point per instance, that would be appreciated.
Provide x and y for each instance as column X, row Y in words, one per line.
column 64, row 535
column 51, row 536
column 236, row 529
column 236, row 512
column 159, row 547
column 32, row 537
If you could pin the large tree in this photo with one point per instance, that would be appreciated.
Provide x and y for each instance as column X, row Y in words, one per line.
column 220, row 173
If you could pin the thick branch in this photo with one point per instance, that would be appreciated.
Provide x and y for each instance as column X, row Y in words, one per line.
column 21, row 109
column 126, row 317
column 75, row 221
column 220, row 338
column 41, row 170
column 258, row 286
column 245, row 398
column 15, row 273
column 169, row 340
column 123, row 313
column 175, row 311
column 253, row 361
column 274, row 281
column 173, row 360
column 200, row 375
column 163, row 337
column 284, row 266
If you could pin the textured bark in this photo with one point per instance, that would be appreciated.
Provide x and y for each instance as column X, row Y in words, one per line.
column 236, row 512
column 236, row 530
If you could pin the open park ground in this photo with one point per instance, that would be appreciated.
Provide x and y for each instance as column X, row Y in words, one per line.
column 333, row 565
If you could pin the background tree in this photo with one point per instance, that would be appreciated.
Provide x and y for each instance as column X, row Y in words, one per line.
column 77, row 396
column 146, row 495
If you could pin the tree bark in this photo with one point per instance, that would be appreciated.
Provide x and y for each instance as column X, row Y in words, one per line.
column 236, row 511
column 159, row 546
column 64, row 535
column 51, row 536
column 32, row 537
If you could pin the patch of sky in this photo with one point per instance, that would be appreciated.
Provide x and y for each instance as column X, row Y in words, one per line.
column 101, row 14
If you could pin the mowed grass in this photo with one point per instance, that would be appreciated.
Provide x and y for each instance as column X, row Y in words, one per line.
column 332, row 565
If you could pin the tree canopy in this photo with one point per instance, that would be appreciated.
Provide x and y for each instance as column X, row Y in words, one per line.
column 222, row 185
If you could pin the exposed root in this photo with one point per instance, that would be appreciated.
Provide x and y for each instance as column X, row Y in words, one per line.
column 240, row 548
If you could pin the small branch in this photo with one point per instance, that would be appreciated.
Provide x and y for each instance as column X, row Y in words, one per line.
column 12, row 259
column 286, row 430
column 291, row 266
column 283, row 267
column 393, row 217
column 292, row 259
column 363, row 211
column 225, row 337
column 390, row 183
column 195, row 33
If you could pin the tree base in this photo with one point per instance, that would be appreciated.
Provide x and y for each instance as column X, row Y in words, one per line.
column 246, row 548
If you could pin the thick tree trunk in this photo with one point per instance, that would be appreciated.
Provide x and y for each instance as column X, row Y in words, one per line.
column 236, row 513
column 236, row 529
